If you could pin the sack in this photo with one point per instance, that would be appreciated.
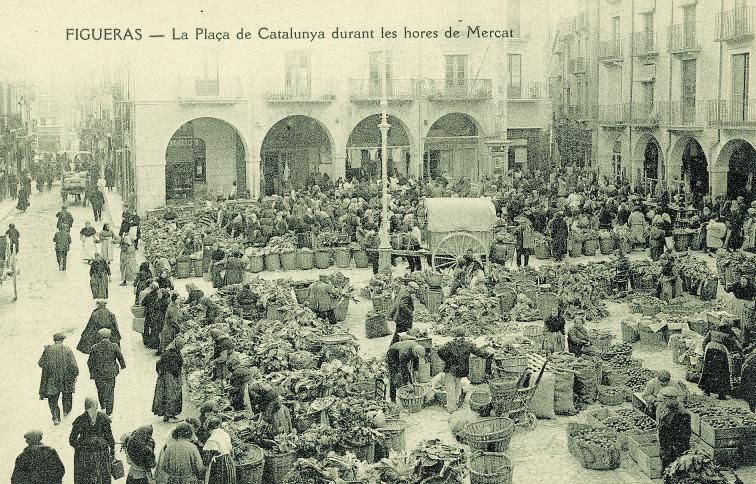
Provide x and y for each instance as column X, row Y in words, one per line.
column 528, row 239
column 564, row 403
column 586, row 383
column 116, row 469
column 670, row 243
column 542, row 403
column 376, row 326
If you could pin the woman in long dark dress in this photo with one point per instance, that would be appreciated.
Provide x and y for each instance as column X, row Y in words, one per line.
column 553, row 332
column 216, row 269
column 23, row 199
column 94, row 445
column 218, row 454
column 99, row 275
column 140, row 455
column 142, row 280
column 718, row 344
column 559, row 232
column 167, row 401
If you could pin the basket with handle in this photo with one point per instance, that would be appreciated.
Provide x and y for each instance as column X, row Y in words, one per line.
column 411, row 397
column 480, row 402
column 393, row 435
column 490, row 434
column 490, row 468
column 277, row 466
column 251, row 468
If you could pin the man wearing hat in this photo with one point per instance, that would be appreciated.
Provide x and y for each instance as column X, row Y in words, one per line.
column 403, row 361
column 100, row 318
column 673, row 425
column 65, row 219
column 59, row 373
column 655, row 386
column 403, row 310
column 323, row 299
column 62, row 241
column 456, row 357
column 105, row 362
column 37, row 463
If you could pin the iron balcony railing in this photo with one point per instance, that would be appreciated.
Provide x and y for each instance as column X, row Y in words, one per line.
column 612, row 114
column 224, row 89
column 687, row 113
column 610, row 50
column 644, row 43
column 525, row 91
column 371, row 90
column 643, row 114
column 684, row 37
column 735, row 24
column 305, row 90
column 456, row 89
column 734, row 113
column 580, row 112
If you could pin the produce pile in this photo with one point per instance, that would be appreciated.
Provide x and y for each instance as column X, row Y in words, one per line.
column 738, row 262
column 634, row 377
column 629, row 419
column 581, row 288
column 475, row 312
column 694, row 467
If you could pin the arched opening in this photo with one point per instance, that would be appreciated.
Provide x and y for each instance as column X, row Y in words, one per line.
column 649, row 162
column 293, row 153
column 695, row 168
column 205, row 157
column 741, row 159
column 453, row 150
column 618, row 171
column 364, row 149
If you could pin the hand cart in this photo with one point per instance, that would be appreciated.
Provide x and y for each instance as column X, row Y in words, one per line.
column 519, row 411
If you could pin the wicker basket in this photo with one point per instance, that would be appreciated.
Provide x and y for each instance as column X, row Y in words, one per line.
column 433, row 300
column 606, row 395
column 542, row 251
column 277, row 466
column 490, row 468
column 682, row 242
column 256, row 263
column 437, row 364
column 480, row 402
column 364, row 452
column 323, row 258
column 362, row 389
column 251, row 471
column 137, row 311
column 361, row 260
column 137, row 325
column 341, row 310
column 394, row 435
column 197, row 270
column 343, row 257
column 590, row 247
column 382, row 303
column 272, row 262
column 302, row 294
column 477, row 369
column 183, row 269
column 289, row 260
column 411, row 397
column 490, row 434
column 305, row 259
column 546, row 302
column 575, row 249
column 606, row 245
column 511, row 364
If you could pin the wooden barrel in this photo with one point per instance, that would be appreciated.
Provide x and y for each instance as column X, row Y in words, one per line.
column 323, row 258
column 305, row 259
column 272, row 262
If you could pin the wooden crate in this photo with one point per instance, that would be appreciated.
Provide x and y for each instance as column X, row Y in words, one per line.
column 716, row 438
column 650, row 465
column 695, row 423
column 643, row 442
column 748, row 454
column 723, row 456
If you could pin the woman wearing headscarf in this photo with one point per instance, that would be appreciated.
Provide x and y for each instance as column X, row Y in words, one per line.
column 140, row 455
column 171, row 326
column 656, row 240
column 559, row 232
column 180, row 461
column 218, row 454
column 553, row 332
column 99, row 275
column 718, row 344
column 168, row 397
column 259, row 397
column 216, row 268
column 106, row 242
column 87, row 236
column 223, row 348
column 164, row 280
column 128, row 260
column 94, row 445
column 234, row 269
column 142, row 281
column 636, row 222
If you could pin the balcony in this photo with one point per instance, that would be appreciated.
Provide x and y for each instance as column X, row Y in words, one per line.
column 684, row 38
column 457, row 89
column 576, row 112
column 525, row 91
column 643, row 115
column 369, row 90
column 224, row 90
column 733, row 113
column 644, row 43
column 305, row 91
column 612, row 115
column 610, row 51
column 576, row 66
column 684, row 115
column 734, row 25
column 582, row 20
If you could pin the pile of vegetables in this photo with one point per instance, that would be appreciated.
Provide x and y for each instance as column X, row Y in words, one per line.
column 635, row 377
column 630, row 419
column 694, row 467
column 282, row 243
column 476, row 313
column 431, row 459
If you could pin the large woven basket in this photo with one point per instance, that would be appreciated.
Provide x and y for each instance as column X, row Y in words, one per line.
column 272, row 262
column 511, row 364
column 277, row 466
column 323, row 258
column 256, row 263
column 411, row 397
column 606, row 244
column 490, row 434
column 341, row 310
column 302, row 294
column 477, row 369
column 480, row 402
column 289, row 260
column 305, row 259
column 490, row 468
column 361, row 260
column 393, row 435
column 343, row 257
column 542, row 250
column 590, row 247
column 137, row 311
column 251, row 471
column 183, row 269
column 433, row 300
column 612, row 395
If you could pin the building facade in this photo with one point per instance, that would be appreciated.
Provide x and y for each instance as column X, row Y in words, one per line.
column 16, row 128
column 258, row 122
column 659, row 92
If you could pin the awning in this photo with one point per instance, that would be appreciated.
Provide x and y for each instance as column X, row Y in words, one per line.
column 460, row 214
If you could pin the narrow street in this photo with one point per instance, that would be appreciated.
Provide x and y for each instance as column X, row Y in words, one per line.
column 50, row 301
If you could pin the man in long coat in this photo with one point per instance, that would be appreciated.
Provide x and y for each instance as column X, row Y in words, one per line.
column 403, row 310
column 559, row 232
column 323, row 299
column 65, row 219
column 105, row 362
column 37, row 463
column 59, row 372
column 100, row 318
column 97, row 199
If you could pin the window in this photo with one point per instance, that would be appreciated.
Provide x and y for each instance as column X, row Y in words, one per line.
column 456, row 68
column 298, row 74
column 647, row 97
column 615, row 29
column 617, row 162
column 515, row 76
column 647, row 20
column 688, row 68
column 740, row 79
column 376, row 61
column 513, row 17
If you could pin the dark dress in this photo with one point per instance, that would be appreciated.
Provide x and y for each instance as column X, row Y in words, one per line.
column 715, row 374
column 99, row 319
column 674, row 436
column 93, row 445
column 38, row 464
column 217, row 268
column 141, row 282
column 559, row 232
column 99, row 271
column 748, row 381
column 167, row 401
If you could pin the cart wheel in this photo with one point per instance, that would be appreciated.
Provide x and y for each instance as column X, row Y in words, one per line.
column 531, row 421
column 449, row 250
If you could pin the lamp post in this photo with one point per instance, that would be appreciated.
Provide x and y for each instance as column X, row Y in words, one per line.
column 384, row 249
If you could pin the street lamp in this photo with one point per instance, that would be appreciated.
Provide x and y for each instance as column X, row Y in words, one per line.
column 384, row 249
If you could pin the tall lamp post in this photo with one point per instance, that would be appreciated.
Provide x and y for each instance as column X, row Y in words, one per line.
column 384, row 249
